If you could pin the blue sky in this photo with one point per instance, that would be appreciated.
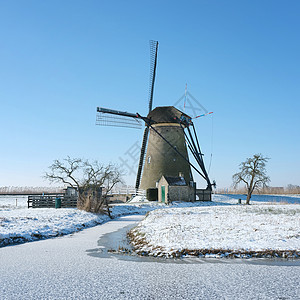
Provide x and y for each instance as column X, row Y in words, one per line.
column 59, row 60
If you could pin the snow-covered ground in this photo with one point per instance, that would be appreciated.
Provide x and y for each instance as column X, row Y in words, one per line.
column 19, row 224
column 221, row 224
column 229, row 229
column 72, row 267
column 13, row 202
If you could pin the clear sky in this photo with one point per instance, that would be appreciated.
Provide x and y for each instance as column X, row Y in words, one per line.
column 59, row 60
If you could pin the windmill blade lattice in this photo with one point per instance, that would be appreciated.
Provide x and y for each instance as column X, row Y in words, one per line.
column 104, row 119
column 153, row 63
column 116, row 118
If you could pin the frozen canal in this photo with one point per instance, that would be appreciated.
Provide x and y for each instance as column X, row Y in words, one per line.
column 78, row 267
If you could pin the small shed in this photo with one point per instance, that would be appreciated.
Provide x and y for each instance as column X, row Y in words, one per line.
column 175, row 189
column 71, row 191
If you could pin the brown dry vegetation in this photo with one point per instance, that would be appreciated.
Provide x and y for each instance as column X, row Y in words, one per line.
column 138, row 241
column 288, row 190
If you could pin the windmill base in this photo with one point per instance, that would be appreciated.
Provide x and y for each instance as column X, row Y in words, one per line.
column 203, row 194
column 172, row 189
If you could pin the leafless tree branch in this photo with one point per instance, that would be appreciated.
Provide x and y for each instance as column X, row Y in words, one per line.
column 252, row 174
column 91, row 179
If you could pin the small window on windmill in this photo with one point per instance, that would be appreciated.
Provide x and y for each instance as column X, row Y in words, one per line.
column 149, row 159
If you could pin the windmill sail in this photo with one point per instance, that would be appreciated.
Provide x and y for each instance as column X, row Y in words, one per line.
column 104, row 119
column 116, row 118
column 166, row 139
column 153, row 63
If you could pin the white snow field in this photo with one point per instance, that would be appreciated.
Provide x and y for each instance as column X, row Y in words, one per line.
column 234, row 228
column 71, row 267
column 77, row 266
column 19, row 224
column 219, row 224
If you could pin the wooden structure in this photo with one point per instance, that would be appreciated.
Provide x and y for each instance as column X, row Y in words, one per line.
column 203, row 194
column 48, row 201
column 175, row 189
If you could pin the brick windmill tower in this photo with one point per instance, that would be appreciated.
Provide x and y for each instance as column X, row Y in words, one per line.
column 167, row 153
column 167, row 136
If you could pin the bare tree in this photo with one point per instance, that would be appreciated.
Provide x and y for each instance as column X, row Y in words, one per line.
column 252, row 174
column 293, row 189
column 92, row 180
column 65, row 171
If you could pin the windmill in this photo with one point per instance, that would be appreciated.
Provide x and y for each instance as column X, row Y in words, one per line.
column 168, row 134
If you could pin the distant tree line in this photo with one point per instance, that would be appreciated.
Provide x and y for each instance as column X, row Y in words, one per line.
column 289, row 189
column 29, row 189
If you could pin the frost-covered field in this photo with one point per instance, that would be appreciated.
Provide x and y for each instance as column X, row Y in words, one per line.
column 221, row 224
column 235, row 230
column 19, row 224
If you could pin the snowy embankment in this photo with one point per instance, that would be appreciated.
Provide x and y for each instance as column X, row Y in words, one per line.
column 199, row 228
column 18, row 224
column 263, row 230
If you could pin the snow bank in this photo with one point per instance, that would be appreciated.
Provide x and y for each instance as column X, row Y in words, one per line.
column 21, row 225
column 234, row 228
column 18, row 224
column 209, row 222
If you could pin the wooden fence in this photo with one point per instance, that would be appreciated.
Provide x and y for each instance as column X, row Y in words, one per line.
column 48, row 201
column 203, row 194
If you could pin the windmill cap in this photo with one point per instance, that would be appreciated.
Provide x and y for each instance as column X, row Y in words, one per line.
column 166, row 114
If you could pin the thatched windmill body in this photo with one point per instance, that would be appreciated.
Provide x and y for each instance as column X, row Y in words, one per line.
column 167, row 135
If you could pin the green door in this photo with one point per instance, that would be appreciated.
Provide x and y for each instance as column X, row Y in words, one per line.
column 163, row 194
